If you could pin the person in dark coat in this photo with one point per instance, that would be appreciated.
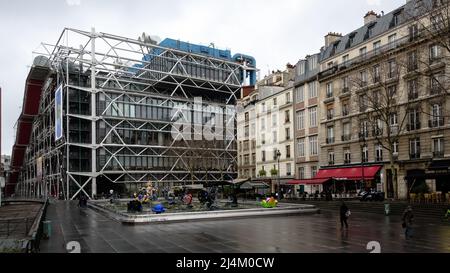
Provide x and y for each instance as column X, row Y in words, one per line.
column 344, row 215
column 407, row 219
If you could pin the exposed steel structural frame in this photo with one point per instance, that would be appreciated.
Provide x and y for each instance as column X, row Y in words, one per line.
column 106, row 72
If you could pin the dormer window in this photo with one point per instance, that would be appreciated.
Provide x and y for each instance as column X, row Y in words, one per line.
column 395, row 19
column 370, row 31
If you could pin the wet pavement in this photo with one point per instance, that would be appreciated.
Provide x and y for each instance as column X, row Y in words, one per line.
column 293, row 234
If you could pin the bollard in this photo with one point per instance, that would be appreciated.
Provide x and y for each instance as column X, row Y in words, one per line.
column 387, row 209
column 47, row 229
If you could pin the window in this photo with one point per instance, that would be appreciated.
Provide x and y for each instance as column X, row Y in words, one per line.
column 312, row 62
column 247, row 131
column 392, row 40
column 274, row 120
column 414, row 148
column 363, row 103
column 393, row 122
column 376, row 74
column 301, row 173
column 330, row 158
column 274, row 137
column 435, row 53
column 437, row 118
column 392, row 91
column 378, row 152
column 330, row 134
column 364, row 129
column 313, row 171
column 287, row 116
column 346, row 134
column 435, row 83
column 313, row 146
column 413, row 32
column 301, row 147
column 263, row 107
column 345, row 58
column 288, row 151
column 288, row 169
column 370, row 31
column 288, row 97
column 329, row 90
column 330, row 113
column 365, row 154
column 438, row 148
column 363, row 78
column 288, row 133
column 412, row 90
column 300, row 94
column 300, row 120
column 301, row 68
column 363, row 51
column 345, row 109
column 378, row 130
column 263, row 156
column 246, row 117
column 345, row 86
column 412, row 61
column 263, row 139
column 274, row 101
column 312, row 90
column 347, row 156
column 395, row 19
column 395, row 148
column 313, row 117
column 263, row 124
column 413, row 120
column 376, row 46
column 392, row 69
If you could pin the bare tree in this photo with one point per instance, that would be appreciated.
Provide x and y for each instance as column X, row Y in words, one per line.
column 383, row 113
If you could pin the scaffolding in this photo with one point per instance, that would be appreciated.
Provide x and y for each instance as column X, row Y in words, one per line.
column 121, row 98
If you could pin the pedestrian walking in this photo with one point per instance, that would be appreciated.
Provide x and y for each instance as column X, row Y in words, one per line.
column 407, row 219
column 344, row 214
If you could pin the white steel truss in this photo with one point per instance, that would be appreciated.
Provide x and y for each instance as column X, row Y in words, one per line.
column 119, row 101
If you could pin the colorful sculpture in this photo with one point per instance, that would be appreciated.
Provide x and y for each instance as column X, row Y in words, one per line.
column 158, row 209
column 269, row 203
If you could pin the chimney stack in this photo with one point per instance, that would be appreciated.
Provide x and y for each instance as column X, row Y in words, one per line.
column 332, row 37
column 370, row 17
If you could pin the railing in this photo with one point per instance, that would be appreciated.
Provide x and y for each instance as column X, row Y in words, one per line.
column 345, row 113
column 413, row 126
column 436, row 122
column 346, row 137
column 330, row 140
column 438, row 154
column 414, row 156
column 413, row 96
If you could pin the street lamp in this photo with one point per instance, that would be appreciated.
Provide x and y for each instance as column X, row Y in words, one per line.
column 278, row 158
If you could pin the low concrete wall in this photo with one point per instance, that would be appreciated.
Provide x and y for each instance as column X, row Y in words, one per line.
column 282, row 209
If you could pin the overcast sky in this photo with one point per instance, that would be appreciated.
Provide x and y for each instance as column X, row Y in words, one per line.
column 275, row 32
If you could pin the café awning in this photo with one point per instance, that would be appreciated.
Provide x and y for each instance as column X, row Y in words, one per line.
column 319, row 181
column 254, row 185
column 353, row 173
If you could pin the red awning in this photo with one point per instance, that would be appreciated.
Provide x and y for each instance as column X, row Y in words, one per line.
column 354, row 173
column 308, row 181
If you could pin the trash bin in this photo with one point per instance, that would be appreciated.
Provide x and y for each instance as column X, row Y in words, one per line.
column 47, row 229
column 387, row 209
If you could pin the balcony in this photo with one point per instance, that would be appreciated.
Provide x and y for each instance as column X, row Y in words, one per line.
column 438, row 154
column 346, row 137
column 330, row 116
column 435, row 90
column 345, row 113
column 379, row 159
column 377, row 132
column 436, row 122
column 413, row 126
column 413, row 95
column 330, row 140
column 330, row 163
column 411, row 67
column 345, row 90
column 414, row 156
column 363, row 135
column 347, row 161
